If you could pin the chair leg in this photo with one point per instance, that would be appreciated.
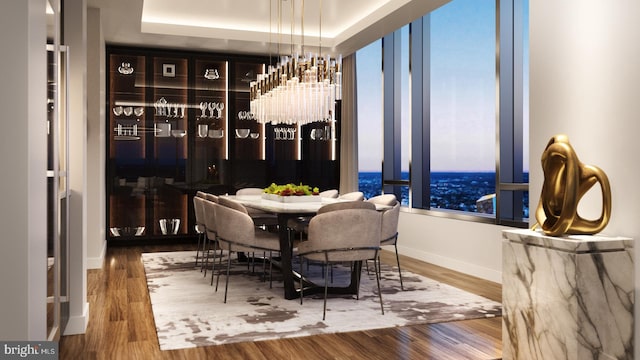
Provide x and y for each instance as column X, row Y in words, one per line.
column 213, row 263
column 326, row 285
column 270, row 270
column 399, row 270
column 358, row 278
column 226, row 285
column 205, row 252
column 301, row 282
column 264, row 266
column 220, row 263
column 375, row 263
column 198, row 249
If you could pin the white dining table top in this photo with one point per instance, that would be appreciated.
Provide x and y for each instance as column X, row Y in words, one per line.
column 310, row 207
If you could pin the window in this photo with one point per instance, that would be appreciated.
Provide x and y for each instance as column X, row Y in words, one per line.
column 463, row 105
column 454, row 133
column 369, row 85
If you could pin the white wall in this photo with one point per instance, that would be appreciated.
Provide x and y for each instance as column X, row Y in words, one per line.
column 585, row 82
column 23, row 160
column 469, row 247
column 75, row 30
column 96, row 137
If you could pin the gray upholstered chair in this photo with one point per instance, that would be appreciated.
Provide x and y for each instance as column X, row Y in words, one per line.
column 389, row 233
column 340, row 236
column 232, row 204
column 342, row 205
column 384, row 199
column 211, row 197
column 299, row 225
column 352, row 196
column 330, row 194
column 198, row 208
column 260, row 218
column 237, row 232
column 211, row 235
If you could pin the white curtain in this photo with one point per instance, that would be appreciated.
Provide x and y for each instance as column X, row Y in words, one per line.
column 349, row 127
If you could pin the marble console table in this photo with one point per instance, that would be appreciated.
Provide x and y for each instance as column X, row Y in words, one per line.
column 567, row 297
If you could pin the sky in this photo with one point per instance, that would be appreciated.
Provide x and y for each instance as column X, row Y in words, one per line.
column 463, row 99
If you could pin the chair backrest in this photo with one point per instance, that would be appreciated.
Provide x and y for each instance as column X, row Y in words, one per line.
column 201, row 194
column 346, row 235
column 232, row 204
column 353, row 196
column 249, row 191
column 198, row 208
column 332, row 194
column 389, row 229
column 211, row 197
column 384, row 199
column 210, row 222
column 342, row 205
column 233, row 225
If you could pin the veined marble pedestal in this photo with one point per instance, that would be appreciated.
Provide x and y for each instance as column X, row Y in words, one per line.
column 567, row 297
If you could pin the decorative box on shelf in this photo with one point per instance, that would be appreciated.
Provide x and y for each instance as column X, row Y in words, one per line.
column 292, row 198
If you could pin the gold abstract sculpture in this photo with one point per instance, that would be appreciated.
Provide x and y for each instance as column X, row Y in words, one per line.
column 566, row 180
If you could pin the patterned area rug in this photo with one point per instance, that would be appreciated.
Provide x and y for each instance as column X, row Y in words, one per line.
column 188, row 312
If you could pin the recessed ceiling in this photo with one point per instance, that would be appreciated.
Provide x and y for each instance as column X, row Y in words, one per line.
column 256, row 26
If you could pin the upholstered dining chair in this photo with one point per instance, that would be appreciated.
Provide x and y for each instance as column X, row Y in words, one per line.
column 237, row 232
column 198, row 208
column 211, row 197
column 211, row 228
column 201, row 194
column 342, row 205
column 352, row 196
column 260, row 218
column 346, row 235
column 389, row 229
column 384, row 199
column 330, row 194
column 389, row 234
column 299, row 225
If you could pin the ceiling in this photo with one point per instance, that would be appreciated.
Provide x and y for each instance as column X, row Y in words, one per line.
column 256, row 26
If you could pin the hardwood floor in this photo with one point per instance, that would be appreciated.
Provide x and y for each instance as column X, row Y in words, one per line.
column 121, row 323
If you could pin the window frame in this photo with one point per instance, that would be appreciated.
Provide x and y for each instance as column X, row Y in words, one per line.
column 509, row 171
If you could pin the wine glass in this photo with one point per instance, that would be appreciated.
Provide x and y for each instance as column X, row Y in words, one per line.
column 203, row 108
column 211, row 106
column 219, row 107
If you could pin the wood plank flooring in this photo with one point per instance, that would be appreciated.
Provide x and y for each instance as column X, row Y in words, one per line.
column 121, row 323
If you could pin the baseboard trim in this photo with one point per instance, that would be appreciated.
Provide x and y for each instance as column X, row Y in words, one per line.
column 78, row 324
column 453, row 264
column 97, row 262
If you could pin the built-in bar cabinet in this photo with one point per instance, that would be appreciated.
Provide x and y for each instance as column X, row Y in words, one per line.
column 180, row 122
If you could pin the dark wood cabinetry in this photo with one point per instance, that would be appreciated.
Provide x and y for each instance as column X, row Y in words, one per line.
column 180, row 122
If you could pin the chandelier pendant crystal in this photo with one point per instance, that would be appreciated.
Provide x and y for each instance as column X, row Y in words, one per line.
column 297, row 90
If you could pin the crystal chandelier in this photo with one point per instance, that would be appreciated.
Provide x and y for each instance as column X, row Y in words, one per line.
column 298, row 90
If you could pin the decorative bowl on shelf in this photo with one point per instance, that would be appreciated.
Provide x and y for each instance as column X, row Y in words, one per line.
column 216, row 133
column 127, row 111
column 127, row 231
column 169, row 226
column 254, row 135
column 138, row 111
column 178, row 133
column 242, row 133
column 117, row 110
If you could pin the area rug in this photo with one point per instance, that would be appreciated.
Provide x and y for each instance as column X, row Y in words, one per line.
column 188, row 312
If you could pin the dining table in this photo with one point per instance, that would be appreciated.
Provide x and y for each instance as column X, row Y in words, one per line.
column 285, row 210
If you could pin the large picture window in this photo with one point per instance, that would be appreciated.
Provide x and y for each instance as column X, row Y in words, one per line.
column 454, row 116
